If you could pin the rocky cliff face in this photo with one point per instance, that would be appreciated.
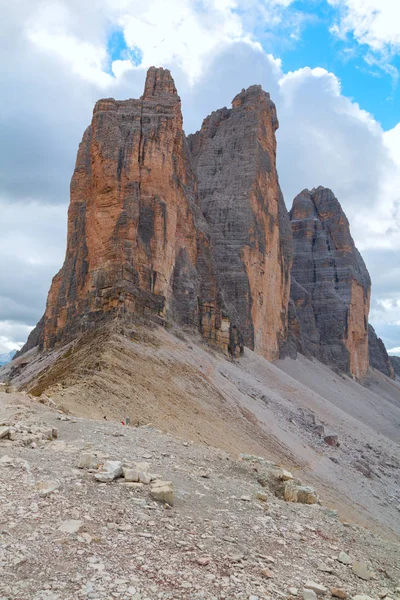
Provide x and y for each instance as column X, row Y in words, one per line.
column 137, row 240
column 234, row 155
column 378, row 356
column 330, row 284
column 196, row 231
column 395, row 361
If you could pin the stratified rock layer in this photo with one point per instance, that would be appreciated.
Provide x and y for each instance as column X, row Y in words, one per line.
column 234, row 155
column 137, row 241
column 378, row 356
column 330, row 284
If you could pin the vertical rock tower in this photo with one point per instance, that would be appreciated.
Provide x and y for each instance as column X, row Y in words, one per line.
column 137, row 240
column 234, row 155
column 330, row 284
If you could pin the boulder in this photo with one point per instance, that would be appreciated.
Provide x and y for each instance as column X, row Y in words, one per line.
column 293, row 492
column 112, row 469
column 88, row 460
column 361, row 570
column 162, row 491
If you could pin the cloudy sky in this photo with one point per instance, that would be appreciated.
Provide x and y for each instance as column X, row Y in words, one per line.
column 331, row 66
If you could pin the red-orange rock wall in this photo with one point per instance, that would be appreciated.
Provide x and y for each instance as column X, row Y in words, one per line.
column 137, row 241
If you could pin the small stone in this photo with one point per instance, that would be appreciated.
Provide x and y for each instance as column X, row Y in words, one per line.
column 70, row 526
column 245, row 498
column 144, row 477
column 130, row 474
column 293, row 591
column 345, row 558
column 361, row 570
column 331, row 440
column 4, row 432
column 162, row 491
column 45, row 488
column 338, row 593
column 267, row 573
column 203, row 561
column 309, row 595
column 261, row 497
column 325, row 569
column 320, row 590
column 285, row 475
column 362, row 597
column 87, row 460
column 133, row 485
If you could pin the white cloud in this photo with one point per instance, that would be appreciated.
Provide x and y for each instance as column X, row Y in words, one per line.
column 12, row 335
column 372, row 22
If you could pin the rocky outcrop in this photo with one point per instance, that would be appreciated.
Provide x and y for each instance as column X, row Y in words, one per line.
column 234, row 155
column 138, row 243
column 330, row 284
column 378, row 356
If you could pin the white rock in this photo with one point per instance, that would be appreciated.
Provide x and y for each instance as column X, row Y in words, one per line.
column 87, row 460
column 144, row 477
column 361, row 570
column 292, row 492
column 70, row 526
column 45, row 488
column 293, row 591
column 4, row 432
column 309, row 595
column 285, row 475
column 162, row 491
column 112, row 469
column 345, row 558
column 316, row 587
column 130, row 474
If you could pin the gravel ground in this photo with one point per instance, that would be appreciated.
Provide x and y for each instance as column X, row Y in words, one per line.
column 225, row 537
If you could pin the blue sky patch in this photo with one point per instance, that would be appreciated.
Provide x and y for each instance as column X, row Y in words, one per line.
column 304, row 39
column 117, row 49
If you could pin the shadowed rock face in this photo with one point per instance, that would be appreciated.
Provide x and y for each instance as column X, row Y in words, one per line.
column 395, row 360
column 378, row 356
column 137, row 240
column 234, row 156
column 330, row 284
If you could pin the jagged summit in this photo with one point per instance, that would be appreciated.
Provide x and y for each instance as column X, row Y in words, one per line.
column 159, row 81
